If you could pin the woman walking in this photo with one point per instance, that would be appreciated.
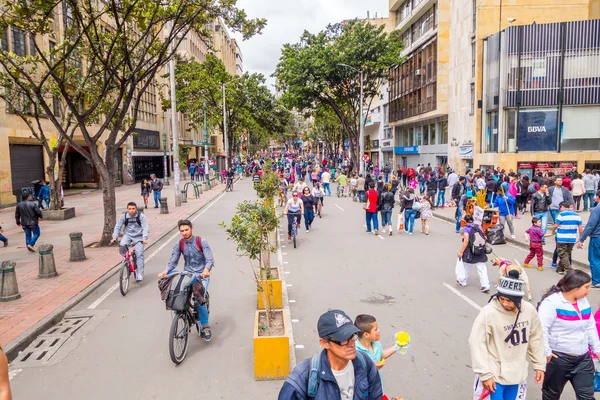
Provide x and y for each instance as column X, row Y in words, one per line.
column 310, row 203
column 407, row 201
column 578, row 190
column 145, row 186
column 569, row 332
column 386, row 206
column 426, row 214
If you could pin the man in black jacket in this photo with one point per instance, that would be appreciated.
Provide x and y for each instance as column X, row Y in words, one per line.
column 27, row 215
column 442, row 184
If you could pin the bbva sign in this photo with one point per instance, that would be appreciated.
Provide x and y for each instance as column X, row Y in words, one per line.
column 536, row 129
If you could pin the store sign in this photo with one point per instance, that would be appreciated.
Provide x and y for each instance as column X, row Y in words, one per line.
column 538, row 130
column 406, row 150
column 386, row 143
column 375, row 144
column 525, row 165
column 466, row 152
column 146, row 139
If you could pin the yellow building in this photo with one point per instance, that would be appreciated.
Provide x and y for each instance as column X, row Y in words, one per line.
column 485, row 72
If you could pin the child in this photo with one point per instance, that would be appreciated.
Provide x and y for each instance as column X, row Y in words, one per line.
column 2, row 238
column 426, row 214
column 413, row 183
column 534, row 236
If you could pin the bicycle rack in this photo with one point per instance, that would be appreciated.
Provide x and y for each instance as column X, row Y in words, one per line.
column 196, row 190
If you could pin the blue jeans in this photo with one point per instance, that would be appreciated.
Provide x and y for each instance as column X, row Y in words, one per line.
column 386, row 177
column 594, row 259
column 203, row 310
column 588, row 197
column 46, row 200
column 386, row 218
column 409, row 220
column 326, row 188
column 543, row 216
column 361, row 196
column 372, row 216
column 441, row 196
column 32, row 234
column 505, row 392
column 156, row 198
column 309, row 216
column 458, row 216
column 422, row 187
column 3, row 238
column 554, row 214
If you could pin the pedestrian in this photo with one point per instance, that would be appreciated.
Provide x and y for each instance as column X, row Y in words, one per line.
column 566, row 227
column 426, row 214
column 342, row 371
column 371, row 208
column 380, row 184
column 376, row 171
column 201, row 172
column 43, row 195
column 27, row 216
column 472, row 253
column 535, row 235
column 406, row 206
column 354, row 187
column 386, row 206
column 505, row 204
column 360, row 185
column 224, row 175
column 578, row 190
column 326, row 180
column 567, row 182
column 592, row 230
column 394, row 187
column 591, row 186
column 3, row 238
column 156, row 185
column 513, row 191
column 413, row 183
column 452, row 178
column 540, row 201
column 422, row 179
column 146, row 189
column 462, row 204
column 310, row 205
column 192, row 170
column 522, row 193
column 505, row 332
column 386, row 173
column 569, row 332
column 558, row 193
column 441, row 185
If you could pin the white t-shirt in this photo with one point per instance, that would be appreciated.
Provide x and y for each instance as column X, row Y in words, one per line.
column 345, row 381
column 299, row 187
column 294, row 208
column 326, row 177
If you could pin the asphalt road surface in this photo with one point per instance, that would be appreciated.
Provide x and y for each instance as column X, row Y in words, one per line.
column 406, row 282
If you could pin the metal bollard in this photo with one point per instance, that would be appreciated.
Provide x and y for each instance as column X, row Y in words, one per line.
column 183, row 196
column 164, row 207
column 47, row 265
column 9, row 290
column 77, row 250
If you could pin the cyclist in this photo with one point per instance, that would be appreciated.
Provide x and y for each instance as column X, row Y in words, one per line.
column 135, row 231
column 342, row 180
column 300, row 185
column 199, row 261
column 293, row 209
column 230, row 175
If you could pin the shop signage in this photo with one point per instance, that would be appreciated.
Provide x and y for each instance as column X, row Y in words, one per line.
column 146, row 139
column 386, row 143
column 375, row 144
column 567, row 165
column 406, row 150
column 346, row 143
column 466, row 152
column 538, row 130
column 524, row 165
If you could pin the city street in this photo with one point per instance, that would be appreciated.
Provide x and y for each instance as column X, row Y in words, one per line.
column 406, row 282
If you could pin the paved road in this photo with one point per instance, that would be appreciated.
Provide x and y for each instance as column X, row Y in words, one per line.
column 399, row 279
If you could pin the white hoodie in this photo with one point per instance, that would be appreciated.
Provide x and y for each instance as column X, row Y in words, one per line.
column 506, row 362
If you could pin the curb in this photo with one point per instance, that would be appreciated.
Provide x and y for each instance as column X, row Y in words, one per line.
column 519, row 244
column 286, row 305
column 21, row 342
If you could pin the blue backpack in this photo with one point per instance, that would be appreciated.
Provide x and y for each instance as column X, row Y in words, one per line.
column 314, row 378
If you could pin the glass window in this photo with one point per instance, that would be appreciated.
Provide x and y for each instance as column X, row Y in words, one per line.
column 5, row 40
column 511, row 122
column 425, row 135
column 418, row 136
column 581, row 128
column 433, row 139
column 491, row 134
column 409, row 137
column 444, row 132
column 473, row 56
column 32, row 45
column 18, row 42
column 472, row 99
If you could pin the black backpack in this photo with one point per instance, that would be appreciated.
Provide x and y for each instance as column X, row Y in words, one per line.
column 477, row 241
column 138, row 219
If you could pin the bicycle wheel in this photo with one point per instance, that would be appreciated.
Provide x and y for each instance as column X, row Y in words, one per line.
column 178, row 339
column 294, row 233
column 124, row 278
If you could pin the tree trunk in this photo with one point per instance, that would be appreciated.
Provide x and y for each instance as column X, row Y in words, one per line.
column 108, row 194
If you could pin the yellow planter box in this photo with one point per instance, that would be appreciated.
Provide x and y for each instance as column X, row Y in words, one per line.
column 271, row 353
column 273, row 288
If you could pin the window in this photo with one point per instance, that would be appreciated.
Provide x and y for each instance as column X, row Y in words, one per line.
column 474, row 16
column 472, row 99
column 473, row 57
column 425, row 135
column 418, row 136
column 511, row 122
column 409, row 137
column 18, row 42
column 432, row 132
column 444, row 129
column 5, row 40
column 56, row 106
column 51, row 45
column 32, row 45
column 386, row 116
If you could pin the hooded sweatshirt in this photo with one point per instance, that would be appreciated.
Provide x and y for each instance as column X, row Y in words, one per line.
column 407, row 201
column 506, row 362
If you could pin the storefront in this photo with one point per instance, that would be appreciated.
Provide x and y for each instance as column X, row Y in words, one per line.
column 374, row 148
column 466, row 154
column 387, row 153
column 557, row 168
column 409, row 156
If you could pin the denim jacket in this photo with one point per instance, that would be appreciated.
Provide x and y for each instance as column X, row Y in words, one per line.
column 367, row 384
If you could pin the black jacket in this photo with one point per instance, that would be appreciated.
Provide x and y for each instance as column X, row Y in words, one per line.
column 442, row 183
column 27, row 213
column 386, row 201
column 431, row 185
column 539, row 203
column 457, row 190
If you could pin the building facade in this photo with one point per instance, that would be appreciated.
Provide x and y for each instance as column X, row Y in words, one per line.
column 418, row 88
column 379, row 136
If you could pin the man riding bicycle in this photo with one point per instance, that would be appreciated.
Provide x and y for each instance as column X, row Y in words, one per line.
column 135, row 231
column 199, row 261
column 230, row 175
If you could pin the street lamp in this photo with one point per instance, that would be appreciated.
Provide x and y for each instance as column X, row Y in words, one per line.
column 174, row 123
column 361, row 136
column 225, row 140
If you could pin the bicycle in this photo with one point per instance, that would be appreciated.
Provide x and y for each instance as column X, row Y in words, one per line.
column 294, row 228
column 229, row 187
column 341, row 191
column 129, row 266
column 181, row 326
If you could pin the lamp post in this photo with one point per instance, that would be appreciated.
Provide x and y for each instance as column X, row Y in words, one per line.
column 164, row 137
column 205, row 142
column 361, row 136
column 225, row 139
column 174, row 125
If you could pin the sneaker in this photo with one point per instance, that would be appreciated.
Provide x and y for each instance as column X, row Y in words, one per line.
column 205, row 333
column 485, row 290
column 383, row 231
column 460, row 284
column 554, row 265
column 376, row 232
column 6, row 243
column 289, row 237
column 596, row 287
column 517, row 216
column 427, row 233
column 560, row 272
column 155, row 206
column 410, row 233
column 527, row 265
column 390, row 232
column 512, row 237
column 31, row 248
column 540, row 268
column 456, row 231
column 307, row 231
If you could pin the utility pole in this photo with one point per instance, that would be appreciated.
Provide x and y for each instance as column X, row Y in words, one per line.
column 164, row 137
column 205, row 143
column 174, row 125
column 361, row 137
column 225, row 140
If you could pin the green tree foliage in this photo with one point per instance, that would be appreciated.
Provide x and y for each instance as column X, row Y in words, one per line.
column 268, row 186
column 105, row 55
column 326, row 128
column 309, row 73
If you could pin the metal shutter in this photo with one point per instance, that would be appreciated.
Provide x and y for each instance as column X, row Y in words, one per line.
column 26, row 165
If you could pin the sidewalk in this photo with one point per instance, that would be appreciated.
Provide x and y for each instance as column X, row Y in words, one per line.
column 521, row 224
column 40, row 298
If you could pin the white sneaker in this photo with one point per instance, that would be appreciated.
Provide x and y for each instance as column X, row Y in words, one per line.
column 307, row 231
column 383, row 231
column 512, row 237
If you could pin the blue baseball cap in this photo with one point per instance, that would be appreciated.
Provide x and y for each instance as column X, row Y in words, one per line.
column 336, row 325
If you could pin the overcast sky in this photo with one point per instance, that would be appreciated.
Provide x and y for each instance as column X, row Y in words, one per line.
column 287, row 19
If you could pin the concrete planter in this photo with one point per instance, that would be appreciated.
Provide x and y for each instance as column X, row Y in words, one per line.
column 271, row 353
column 273, row 289
column 58, row 215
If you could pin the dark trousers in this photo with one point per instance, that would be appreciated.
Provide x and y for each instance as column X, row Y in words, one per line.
column 291, row 217
column 535, row 249
column 579, row 370
column 522, row 202
column 577, row 201
column 564, row 256
column 309, row 216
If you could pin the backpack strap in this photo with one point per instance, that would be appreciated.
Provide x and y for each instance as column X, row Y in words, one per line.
column 198, row 243
column 313, row 376
column 126, row 222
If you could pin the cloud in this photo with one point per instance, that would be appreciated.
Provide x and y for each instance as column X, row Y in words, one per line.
column 288, row 19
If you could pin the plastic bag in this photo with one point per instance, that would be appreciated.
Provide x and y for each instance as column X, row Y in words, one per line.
column 459, row 270
column 400, row 225
column 495, row 235
column 481, row 393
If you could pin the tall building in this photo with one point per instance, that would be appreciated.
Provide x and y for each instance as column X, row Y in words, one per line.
column 418, row 108
column 499, row 81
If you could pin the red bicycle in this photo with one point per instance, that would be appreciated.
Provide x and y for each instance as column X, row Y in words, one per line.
column 128, row 267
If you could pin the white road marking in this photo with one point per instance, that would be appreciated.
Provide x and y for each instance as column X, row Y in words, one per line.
column 283, row 246
column 462, row 296
column 289, row 285
column 151, row 256
column 286, row 272
column 295, row 320
column 284, row 254
column 339, row 207
column 292, row 301
column 13, row 373
column 299, row 346
column 285, row 262
column 380, row 237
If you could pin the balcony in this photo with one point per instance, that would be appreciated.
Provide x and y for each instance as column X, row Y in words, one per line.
column 395, row 4
column 415, row 14
column 372, row 119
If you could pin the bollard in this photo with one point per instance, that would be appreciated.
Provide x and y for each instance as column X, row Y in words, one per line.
column 47, row 266
column 183, row 196
column 9, row 289
column 164, row 207
column 77, row 250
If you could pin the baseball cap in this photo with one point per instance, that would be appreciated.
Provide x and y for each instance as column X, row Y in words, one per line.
column 336, row 324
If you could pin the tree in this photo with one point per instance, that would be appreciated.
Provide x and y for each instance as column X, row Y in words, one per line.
column 309, row 72
column 101, row 62
column 326, row 128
